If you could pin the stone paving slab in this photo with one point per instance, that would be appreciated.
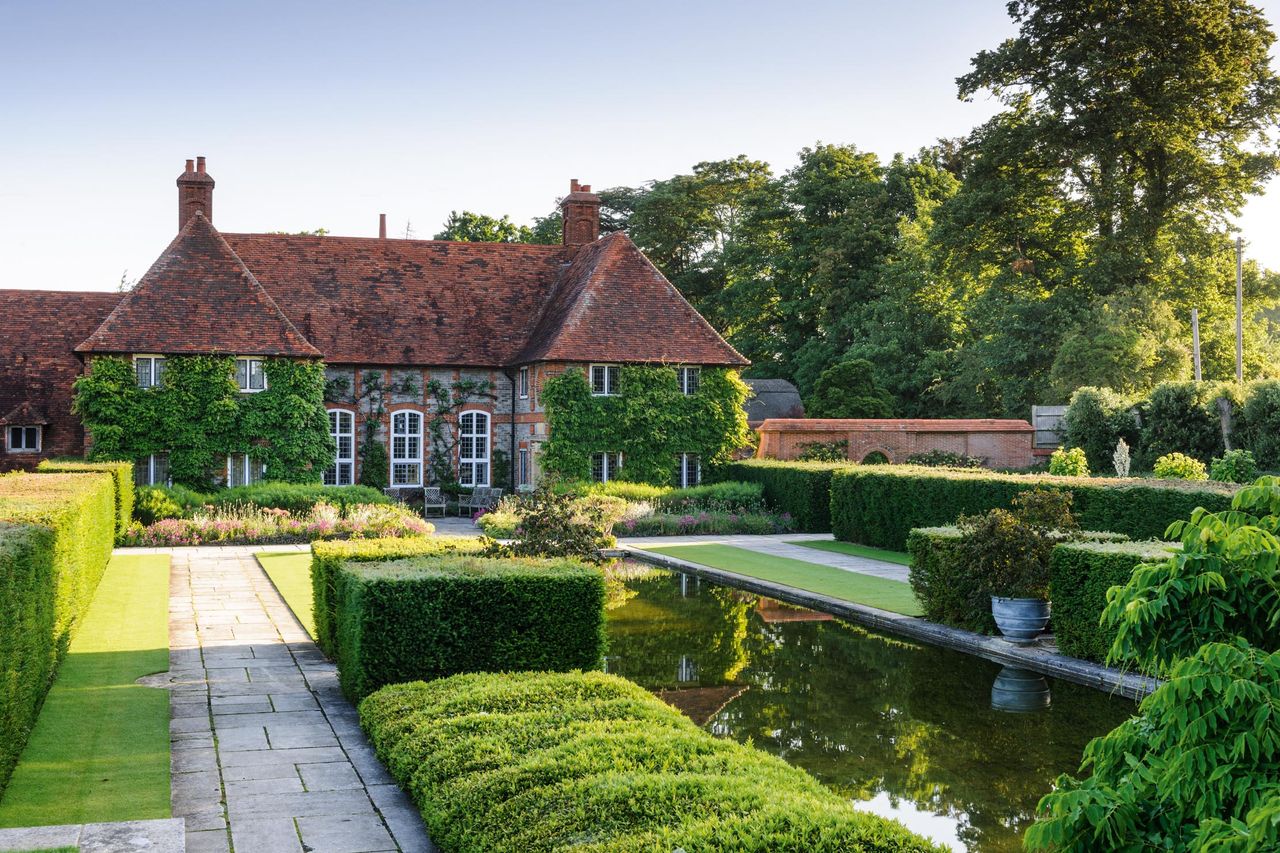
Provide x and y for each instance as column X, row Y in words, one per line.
column 152, row 836
column 267, row 755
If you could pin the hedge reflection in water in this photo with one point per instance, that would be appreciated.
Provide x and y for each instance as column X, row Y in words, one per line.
column 868, row 714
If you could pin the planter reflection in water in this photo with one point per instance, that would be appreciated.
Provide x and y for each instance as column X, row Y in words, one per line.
column 1020, row 620
column 902, row 728
column 1020, row 691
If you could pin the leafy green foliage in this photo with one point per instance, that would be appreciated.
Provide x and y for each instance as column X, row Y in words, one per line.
column 849, row 390
column 155, row 504
column 1261, row 416
column 801, row 491
column 879, row 505
column 297, row 497
column 1178, row 466
column 121, row 477
column 824, row 451
column 1080, row 573
column 943, row 459
column 1069, row 463
column 1183, row 417
column 327, row 558
column 550, row 523
column 1234, row 466
column 480, row 228
column 427, row 617
column 539, row 762
column 1010, row 549
column 56, row 535
column 726, row 495
column 1096, row 420
column 1197, row 769
column 198, row 417
column 650, row 422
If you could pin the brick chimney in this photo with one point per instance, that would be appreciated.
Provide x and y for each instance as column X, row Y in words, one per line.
column 580, row 212
column 195, row 192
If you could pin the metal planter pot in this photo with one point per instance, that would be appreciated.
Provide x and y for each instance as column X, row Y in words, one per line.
column 1020, row 620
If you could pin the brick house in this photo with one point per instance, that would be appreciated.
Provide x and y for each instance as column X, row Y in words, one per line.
column 404, row 311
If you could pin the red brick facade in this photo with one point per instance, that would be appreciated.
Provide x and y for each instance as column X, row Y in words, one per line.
column 1000, row 443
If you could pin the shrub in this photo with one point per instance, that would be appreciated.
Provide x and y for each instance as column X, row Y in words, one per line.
column 1182, row 417
column 121, row 478
column 56, row 534
column 1069, row 463
column 1120, row 459
column 714, row 523
column 944, row 459
column 1080, row 573
column 426, row 617
column 880, row 505
column 535, row 762
column 801, row 490
column 241, row 524
column 1235, row 466
column 298, row 497
column 824, row 451
column 1261, row 427
column 1095, row 420
column 328, row 557
column 554, row 524
column 155, row 504
column 1176, row 466
column 849, row 390
column 621, row 489
column 726, row 495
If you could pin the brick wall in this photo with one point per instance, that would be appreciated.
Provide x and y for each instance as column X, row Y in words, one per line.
column 1000, row 443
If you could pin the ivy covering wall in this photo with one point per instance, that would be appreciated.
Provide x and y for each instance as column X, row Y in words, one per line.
column 650, row 421
column 199, row 416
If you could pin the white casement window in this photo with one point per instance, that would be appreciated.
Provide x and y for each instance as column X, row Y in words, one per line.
column 524, row 383
column 689, row 472
column 23, row 439
column 605, row 466
column 689, row 378
column 149, row 369
column 244, row 470
column 342, row 428
column 473, row 449
column 522, row 471
column 152, row 470
column 604, row 379
column 251, row 376
column 406, row 448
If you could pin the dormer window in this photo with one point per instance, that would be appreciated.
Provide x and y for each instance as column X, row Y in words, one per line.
column 689, row 378
column 604, row 379
column 250, row 375
column 149, row 370
column 24, row 439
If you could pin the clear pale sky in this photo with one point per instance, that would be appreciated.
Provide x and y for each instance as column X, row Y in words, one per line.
column 325, row 115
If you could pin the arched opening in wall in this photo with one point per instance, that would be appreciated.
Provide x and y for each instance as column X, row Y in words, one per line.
column 876, row 457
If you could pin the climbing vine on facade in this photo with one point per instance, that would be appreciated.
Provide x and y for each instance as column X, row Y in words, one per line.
column 198, row 416
column 446, row 402
column 650, row 422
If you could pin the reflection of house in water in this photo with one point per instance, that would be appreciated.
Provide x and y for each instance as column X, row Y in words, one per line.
column 777, row 611
column 702, row 704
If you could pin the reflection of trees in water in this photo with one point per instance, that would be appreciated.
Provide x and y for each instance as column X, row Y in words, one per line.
column 864, row 712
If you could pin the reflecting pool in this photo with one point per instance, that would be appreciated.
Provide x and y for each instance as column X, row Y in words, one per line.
column 955, row 746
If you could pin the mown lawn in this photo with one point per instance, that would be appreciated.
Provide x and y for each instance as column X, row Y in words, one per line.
column 883, row 593
column 100, row 748
column 852, row 550
column 290, row 571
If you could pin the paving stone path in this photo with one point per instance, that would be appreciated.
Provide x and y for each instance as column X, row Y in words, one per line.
column 267, row 755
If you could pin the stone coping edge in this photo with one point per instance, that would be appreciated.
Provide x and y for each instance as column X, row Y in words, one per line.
column 167, row 835
column 1127, row 684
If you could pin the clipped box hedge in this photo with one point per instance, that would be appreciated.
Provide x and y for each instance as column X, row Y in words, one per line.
column 426, row 617
column 532, row 762
column 953, row 593
column 802, row 489
column 56, row 534
column 121, row 477
column 327, row 557
column 1080, row 575
column 879, row 505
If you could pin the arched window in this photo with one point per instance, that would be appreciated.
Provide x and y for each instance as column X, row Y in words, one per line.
column 406, row 448
column 473, row 449
column 342, row 427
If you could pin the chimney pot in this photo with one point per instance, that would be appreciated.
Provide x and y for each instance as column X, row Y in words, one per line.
column 191, row 165
column 382, row 226
column 573, row 185
column 586, row 188
column 200, row 165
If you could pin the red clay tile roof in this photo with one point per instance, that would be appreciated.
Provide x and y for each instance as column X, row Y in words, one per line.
column 198, row 297
column 420, row 302
column 612, row 304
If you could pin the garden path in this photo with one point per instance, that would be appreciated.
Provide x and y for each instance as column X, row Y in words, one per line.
column 779, row 546
column 266, row 751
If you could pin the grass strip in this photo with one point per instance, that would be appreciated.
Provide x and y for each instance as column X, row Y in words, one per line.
column 290, row 571
column 100, row 748
column 852, row 550
column 872, row 591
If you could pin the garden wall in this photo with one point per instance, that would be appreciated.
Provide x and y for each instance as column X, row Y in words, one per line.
column 1000, row 443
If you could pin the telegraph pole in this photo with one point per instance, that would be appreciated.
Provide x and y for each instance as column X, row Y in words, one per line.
column 1195, row 340
column 1240, row 310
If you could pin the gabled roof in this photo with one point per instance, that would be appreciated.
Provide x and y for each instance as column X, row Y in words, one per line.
column 612, row 304
column 414, row 302
column 198, row 297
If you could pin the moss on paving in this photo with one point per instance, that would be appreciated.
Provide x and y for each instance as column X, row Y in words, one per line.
column 290, row 571
column 100, row 748
column 852, row 550
column 886, row 594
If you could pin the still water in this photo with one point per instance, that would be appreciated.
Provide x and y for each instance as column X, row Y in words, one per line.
column 906, row 730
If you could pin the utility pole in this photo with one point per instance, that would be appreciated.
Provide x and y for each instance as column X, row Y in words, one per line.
column 1240, row 310
column 1195, row 340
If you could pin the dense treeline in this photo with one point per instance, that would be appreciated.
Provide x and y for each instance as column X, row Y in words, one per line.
column 1062, row 243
